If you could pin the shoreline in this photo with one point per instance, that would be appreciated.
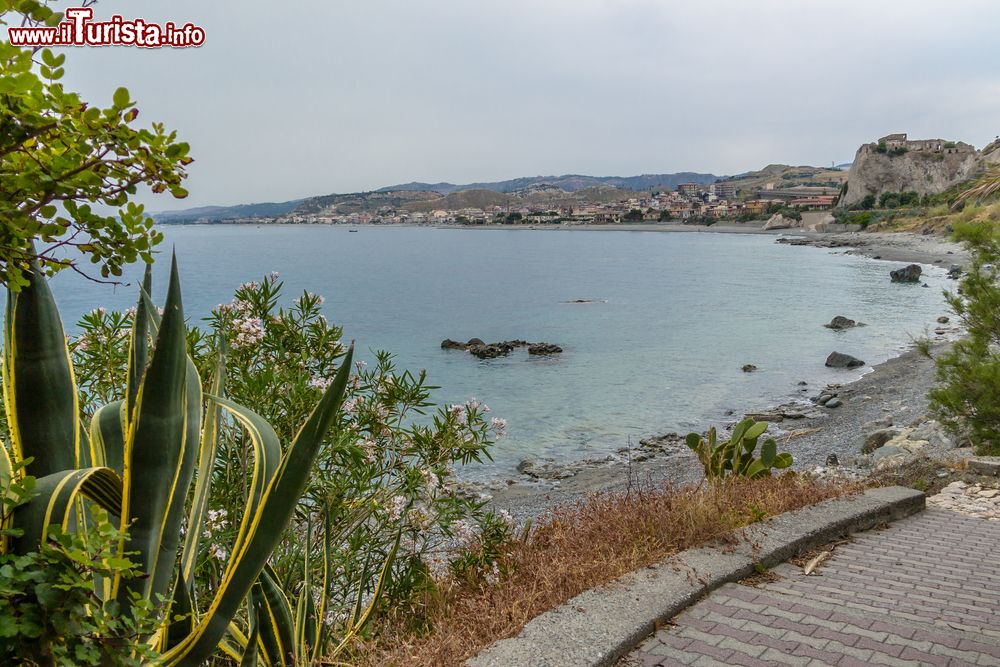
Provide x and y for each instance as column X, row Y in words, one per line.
column 894, row 390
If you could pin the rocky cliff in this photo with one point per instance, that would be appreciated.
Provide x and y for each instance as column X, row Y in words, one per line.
column 895, row 164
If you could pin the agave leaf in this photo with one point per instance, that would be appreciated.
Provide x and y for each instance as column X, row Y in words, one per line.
column 54, row 503
column 321, row 628
column 234, row 643
column 203, row 485
column 271, row 517
column 138, row 352
column 155, row 454
column 107, row 436
column 179, row 619
column 267, row 459
column 277, row 628
column 39, row 388
column 302, row 604
column 6, row 467
column 249, row 658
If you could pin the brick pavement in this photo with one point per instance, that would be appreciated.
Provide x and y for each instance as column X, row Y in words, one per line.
column 924, row 591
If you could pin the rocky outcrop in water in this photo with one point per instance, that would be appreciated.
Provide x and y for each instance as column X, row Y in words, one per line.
column 840, row 322
column 907, row 274
column 477, row 348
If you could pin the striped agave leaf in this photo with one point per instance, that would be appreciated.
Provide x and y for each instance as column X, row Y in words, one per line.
column 40, row 394
column 55, row 502
column 138, row 461
column 277, row 503
column 158, row 459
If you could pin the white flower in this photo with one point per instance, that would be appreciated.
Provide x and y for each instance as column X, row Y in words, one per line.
column 322, row 384
column 464, row 531
column 273, row 276
column 252, row 285
column 437, row 565
column 370, row 448
column 249, row 332
column 419, row 518
column 505, row 516
column 493, row 576
column 499, row 426
column 431, row 481
column 473, row 404
column 458, row 412
column 217, row 552
column 397, row 506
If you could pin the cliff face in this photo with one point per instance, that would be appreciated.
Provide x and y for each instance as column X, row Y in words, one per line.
column 929, row 167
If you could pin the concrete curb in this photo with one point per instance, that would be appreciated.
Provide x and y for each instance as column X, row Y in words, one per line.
column 599, row 626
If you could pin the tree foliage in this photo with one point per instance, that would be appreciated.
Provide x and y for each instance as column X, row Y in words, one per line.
column 69, row 169
column 967, row 398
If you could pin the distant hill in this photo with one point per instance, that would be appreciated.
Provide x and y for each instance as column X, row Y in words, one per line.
column 784, row 176
column 217, row 213
column 554, row 191
column 567, row 182
column 357, row 202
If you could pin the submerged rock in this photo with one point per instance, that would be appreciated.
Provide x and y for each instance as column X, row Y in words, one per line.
column 840, row 322
column 841, row 360
column 749, row 368
column 449, row 344
column 907, row 274
column 544, row 348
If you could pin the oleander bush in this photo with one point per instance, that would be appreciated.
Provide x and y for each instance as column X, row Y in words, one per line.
column 386, row 484
column 368, row 519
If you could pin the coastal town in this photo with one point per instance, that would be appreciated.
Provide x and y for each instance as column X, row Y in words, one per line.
column 690, row 202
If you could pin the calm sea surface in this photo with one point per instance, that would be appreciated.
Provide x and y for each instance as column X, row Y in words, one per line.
column 681, row 313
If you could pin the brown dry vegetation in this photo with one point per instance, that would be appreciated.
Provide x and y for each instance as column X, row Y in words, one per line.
column 577, row 548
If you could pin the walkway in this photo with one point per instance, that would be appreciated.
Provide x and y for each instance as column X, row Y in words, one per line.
column 924, row 591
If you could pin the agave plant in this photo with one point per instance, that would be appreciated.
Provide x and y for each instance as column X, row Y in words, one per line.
column 147, row 459
column 736, row 455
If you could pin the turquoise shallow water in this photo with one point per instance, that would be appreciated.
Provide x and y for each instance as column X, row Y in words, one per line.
column 683, row 313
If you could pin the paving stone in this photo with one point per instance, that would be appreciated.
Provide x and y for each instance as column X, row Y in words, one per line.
column 925, row 591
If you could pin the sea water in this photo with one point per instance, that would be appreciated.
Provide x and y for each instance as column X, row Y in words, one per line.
column 670, row 318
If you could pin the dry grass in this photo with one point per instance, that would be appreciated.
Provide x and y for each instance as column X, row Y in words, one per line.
column 578, row 548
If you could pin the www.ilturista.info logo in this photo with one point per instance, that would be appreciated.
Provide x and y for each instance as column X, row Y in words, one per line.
column 79, row 30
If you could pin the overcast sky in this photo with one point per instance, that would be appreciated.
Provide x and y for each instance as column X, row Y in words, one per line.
column 291, row 99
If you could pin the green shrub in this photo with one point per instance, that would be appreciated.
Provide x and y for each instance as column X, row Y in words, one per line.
column 736, row 455
column 967, row 397
column 49, row 613
column 387, row 475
